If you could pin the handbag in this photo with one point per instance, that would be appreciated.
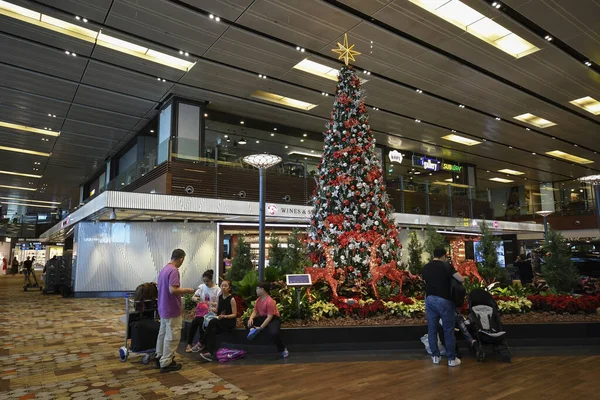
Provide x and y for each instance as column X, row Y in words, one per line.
column 457, row 292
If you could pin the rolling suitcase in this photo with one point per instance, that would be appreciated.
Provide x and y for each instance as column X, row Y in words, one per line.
column 144, row 334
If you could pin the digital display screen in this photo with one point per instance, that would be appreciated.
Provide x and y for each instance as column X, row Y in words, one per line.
column 298, row 280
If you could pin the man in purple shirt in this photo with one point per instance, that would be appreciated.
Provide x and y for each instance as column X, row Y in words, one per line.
column 169, row 310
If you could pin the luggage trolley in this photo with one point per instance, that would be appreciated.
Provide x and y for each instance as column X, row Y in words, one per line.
column 138, row 312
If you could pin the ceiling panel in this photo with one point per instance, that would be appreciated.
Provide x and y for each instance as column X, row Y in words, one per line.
column 228, row 9
column 102, row 117
column 110, row 101
column 92, row 9
column 93, row 130
column 36, row 83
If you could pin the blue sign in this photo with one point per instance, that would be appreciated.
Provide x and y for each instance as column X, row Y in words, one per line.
column 426, row 163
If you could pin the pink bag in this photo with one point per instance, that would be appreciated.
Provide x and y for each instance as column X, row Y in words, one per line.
column 225, row 355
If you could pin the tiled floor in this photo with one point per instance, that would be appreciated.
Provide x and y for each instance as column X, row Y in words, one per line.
column 57, row 348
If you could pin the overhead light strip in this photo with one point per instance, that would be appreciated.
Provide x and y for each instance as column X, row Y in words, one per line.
column 17, row 187
column 20, row 174
column 24, row 151
column 569, row 157
column 285, row 101
column 301, row 153
column 588, row 104
column 28, row 205
column 89, row 35
column 501, row 180
column 24, row 128
column 461, row 139
column 511, row 172
column 534, row 120
column 30, row 200
column 472, row 21
column 324, row 71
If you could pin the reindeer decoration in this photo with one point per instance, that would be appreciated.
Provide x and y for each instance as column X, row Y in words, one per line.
column 326, row 273
column 389, row 270
column 468, row 268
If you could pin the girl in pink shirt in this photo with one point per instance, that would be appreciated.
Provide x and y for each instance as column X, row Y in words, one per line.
column 266, row 317
column 206, row 296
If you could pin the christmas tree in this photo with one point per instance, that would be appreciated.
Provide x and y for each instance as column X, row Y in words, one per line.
column 352, row 228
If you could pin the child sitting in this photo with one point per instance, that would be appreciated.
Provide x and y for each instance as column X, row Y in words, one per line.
column 266, row 316
column 206, row 296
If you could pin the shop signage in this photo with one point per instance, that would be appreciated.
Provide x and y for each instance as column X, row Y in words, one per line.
column 289, row 211
column 496, row 224
column 451, row 167
column 395, row 156
column 272, row 209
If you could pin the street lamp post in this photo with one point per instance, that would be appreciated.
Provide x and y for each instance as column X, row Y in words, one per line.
column 545, row 215
column 262, row 162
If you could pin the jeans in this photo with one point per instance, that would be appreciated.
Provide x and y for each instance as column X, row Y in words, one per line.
column 436, row 308
column 273, row 329
column 197, row 323
column 168, row 340
column 214, row 327
column 460, row 324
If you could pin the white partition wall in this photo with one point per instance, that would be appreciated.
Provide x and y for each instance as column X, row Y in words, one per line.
column 117, row 257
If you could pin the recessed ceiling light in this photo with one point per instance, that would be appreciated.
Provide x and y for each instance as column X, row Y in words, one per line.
column 501, row 180
column 242, row 122
column 461, row 139
column 497, row 118
column 272, row 134
column 286, row 147
column 548, row 38
column 419, row 91
column 478, row 25
column 305, row 134
column 151, row 130
column 534, row 120
column 217, row 19
column 205, row 115
column 533, row 154
column 24, row 128
column 569, row 157
column 302, row 140
column 24, row 151
column 511, row 172
column 257, row 141
column 17, row 187
column 20, row 174
column 285, row 101
column 510, row 147
column 461, row 105
column 588, row 103
column 274, row 129
column 588, row 63
column 417, row 120
column 321, row 70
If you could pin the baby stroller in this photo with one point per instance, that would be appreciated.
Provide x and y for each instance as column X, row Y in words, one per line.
column 486, row 326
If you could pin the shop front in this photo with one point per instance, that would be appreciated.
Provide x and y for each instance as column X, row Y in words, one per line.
column 42, row 252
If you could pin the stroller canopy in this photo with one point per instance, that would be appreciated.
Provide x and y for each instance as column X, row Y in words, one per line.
column 480, row 297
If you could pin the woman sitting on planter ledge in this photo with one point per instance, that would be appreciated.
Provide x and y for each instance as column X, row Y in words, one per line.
column 226, row 312
column 266, row 316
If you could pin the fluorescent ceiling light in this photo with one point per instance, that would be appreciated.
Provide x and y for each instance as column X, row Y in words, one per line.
column 17, row 187
column 89, row 35
column 461, row 140
column 24, row 151
column 28, row 129
column 501, row 180
column 28, row 205
column 588, row 103
column 534, row 120
column 478, row 25
column 569, row 157
column 511, row 172
column 285, row 101
column 20, row 174
column 301, row 153
column 33, row 201
column 459, row 185
column 321, row 70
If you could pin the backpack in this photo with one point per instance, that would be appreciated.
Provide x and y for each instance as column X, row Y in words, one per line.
column 143, row 293
column 225, row 355
column 457, row 292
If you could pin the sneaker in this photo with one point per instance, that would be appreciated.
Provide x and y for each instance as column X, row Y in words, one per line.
column 454, row 363
column 436, row 359
column 171, row 367
column 157, row 363
column 285, row 353
column 188, row 349
column 207, row 356
column 198, row 347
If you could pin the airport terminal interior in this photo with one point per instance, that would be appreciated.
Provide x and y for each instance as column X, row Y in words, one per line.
column 299, row 199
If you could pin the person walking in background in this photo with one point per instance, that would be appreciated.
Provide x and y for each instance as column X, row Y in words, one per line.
column 437, row 275
column 27, row 266
column 169, row 310
column 4, row 266
column 226, row 312
column 266, row 316
column 14, row 266
column 206, row 296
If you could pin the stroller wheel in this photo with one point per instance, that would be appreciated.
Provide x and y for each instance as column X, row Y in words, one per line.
column 480, row 355
column 506, row 357
column 123, row 354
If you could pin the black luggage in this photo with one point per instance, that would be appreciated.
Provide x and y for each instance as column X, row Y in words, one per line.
column 144, row 334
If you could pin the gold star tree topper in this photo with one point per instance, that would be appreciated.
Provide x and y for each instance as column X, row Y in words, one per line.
column 345, row 51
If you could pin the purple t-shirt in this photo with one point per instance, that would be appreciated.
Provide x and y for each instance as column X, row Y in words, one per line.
column 169, row 306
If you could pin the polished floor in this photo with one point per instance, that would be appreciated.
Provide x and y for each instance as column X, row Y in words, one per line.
column 55, row 348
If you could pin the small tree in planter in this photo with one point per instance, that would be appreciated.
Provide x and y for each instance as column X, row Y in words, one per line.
column 490, row 269
column 295, row 257
column 241, row 262
column 276, row 253
column 433, row 240
column 560, row 272
column 415, row 253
